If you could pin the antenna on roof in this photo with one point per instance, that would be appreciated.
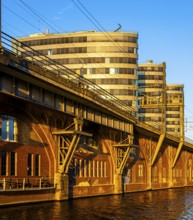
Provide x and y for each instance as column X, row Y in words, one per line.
column 118, row 28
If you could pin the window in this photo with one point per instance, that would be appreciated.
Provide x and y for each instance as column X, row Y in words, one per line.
column 47, row 98
column 89, row 71
column 35, row 93
column 101, row 169
column 3, row 163
column 93, row 168
column 8, row 128
column 140, row 170
column 29, row 165
column 105, row 169
column 49, row 51
column 97, row 168
column 21, row 88
column 114, row 71
column 13, row 163
column 107, row 60
column 37, row 165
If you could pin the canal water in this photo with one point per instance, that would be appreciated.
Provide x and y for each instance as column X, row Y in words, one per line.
column 162, row 204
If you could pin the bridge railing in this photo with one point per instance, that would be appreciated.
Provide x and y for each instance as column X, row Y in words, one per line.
column 28, row 53
column 22, row 183
column 20, row 49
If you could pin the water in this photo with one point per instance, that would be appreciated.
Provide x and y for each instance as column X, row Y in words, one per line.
column 162, row 204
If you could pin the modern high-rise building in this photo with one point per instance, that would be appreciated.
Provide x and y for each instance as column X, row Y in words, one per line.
column 108, row 59
column 175, row 109
column 160, row 105
column 152, row 93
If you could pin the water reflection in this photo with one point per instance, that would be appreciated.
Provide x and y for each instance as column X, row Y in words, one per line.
column 162, row 204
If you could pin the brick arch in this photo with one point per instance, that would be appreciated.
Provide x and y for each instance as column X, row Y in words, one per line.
column 142, row 159
column 45, row 139
column 107, row 144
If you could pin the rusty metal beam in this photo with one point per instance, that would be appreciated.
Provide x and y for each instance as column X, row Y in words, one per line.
column 180, row 145
column 64, row 132
column 73, row 146
column 159, row 144
column 125, row 157
column 125, row 145
column 123, row 162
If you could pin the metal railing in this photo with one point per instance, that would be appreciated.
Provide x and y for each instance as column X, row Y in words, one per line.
column 15, row 183
column 14, row 46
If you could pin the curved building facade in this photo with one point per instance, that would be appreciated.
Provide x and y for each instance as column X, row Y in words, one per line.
column 108, row 59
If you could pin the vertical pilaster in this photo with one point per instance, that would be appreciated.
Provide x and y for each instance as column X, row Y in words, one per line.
column 62, row 186
column 185, row 168
column 118, row 183
column 170, row 169
column 150, row 165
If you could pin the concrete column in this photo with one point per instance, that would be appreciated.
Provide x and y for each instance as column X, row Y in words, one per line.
column 62, row 186
column 119, row 184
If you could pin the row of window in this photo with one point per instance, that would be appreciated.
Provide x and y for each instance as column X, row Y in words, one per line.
column 87, row 168
column 62, row 50
column 150, row 85
column 172, row 115
column 149, row 94
column 122, row 92
column 150, row 119
column 58, row 40
column 9, row 164
column 173, row 122
column 36, row 94
column 72, row 50
column 173, row 109
column 63, row 40
column 174, row 88
column 176, row 173
column 104, row 38
column 150, row 77
column 150, row 110
column 155, row 69
column 114, row 81
column 108, row 71
column 96, row 60
column 173, row 130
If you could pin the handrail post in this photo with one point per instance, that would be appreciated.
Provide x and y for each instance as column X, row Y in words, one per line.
column 40, row 183
column 4, row 184
column 23, row 183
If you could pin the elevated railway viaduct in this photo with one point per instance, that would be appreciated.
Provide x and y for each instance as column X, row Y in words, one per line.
column 58, row 127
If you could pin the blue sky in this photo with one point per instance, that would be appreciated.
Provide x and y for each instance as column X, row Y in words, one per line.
column 164, row 26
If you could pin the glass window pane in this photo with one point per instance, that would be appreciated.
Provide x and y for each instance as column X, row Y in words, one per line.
column 4, row 126
column 11, row 129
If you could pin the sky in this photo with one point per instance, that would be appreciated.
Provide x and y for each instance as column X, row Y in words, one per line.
column 165, row 29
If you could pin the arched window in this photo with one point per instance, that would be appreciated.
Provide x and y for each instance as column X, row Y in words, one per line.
column 8, row 127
